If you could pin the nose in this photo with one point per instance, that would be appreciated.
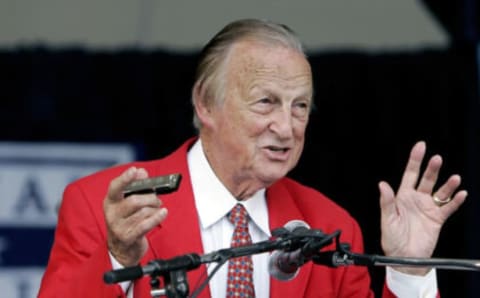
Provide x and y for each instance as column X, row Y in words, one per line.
column 281, row 123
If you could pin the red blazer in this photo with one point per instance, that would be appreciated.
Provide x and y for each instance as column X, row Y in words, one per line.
column 79, row 256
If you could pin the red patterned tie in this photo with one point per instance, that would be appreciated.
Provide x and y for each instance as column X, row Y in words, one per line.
column 240, row 269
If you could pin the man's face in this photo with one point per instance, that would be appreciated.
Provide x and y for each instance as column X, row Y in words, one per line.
column 258, row 132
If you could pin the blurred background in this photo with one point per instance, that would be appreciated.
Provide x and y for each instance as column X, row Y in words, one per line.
column 89, row 84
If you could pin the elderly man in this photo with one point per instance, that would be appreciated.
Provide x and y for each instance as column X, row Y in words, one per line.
column 252, row 97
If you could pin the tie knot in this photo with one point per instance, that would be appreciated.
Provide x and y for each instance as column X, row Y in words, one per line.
column 238, row 216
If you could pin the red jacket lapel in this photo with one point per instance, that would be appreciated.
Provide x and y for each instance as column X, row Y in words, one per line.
column 180, row 233
column 282, row 208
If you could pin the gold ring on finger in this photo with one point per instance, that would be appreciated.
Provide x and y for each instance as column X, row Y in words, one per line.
column 440, row 202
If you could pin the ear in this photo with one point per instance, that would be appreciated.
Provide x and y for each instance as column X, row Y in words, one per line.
column 202, row 108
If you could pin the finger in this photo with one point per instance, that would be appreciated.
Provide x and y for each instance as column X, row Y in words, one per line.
column 455, row 203
column 151, row 219
column 430, row 176
column 141, row 174
column 137, row 202
column 412, row 170
column 119, row 183
column 448, row 188
column 131, row 229
column 387, row 199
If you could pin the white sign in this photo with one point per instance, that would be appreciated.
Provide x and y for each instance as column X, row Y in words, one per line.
column 33, row 177
column 20, row 282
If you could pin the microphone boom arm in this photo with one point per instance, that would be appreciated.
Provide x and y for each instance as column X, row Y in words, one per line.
column 342, row 256
column 337, row 259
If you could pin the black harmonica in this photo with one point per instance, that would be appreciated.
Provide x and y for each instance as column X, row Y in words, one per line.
column 158, row 185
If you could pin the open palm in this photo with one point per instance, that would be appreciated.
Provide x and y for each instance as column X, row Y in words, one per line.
column 411, row 220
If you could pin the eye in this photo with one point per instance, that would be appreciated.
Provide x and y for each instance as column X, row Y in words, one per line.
column 263, row 105
column 301, row 109
column 265, row 100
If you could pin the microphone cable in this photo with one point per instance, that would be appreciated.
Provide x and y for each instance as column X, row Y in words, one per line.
column 223, row 258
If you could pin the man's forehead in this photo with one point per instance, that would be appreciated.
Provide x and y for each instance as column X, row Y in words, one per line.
column 256, row 57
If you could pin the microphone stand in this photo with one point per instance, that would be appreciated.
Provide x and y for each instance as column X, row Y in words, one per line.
column 342, row 256
column 174, row 270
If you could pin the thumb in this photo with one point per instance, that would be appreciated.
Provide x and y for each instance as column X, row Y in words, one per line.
column 119, row 183
column 387, row 198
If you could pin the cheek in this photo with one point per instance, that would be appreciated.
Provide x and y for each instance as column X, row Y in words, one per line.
column 299, row 130
column 251, row 126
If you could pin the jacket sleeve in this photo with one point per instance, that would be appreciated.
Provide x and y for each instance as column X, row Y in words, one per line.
column 79, row 256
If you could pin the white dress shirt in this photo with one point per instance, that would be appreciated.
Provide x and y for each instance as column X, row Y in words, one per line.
column 213, row 201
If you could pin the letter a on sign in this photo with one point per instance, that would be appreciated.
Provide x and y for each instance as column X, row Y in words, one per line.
column 31, row 195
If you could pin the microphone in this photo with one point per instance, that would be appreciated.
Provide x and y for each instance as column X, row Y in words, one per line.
column 285, row 264
column 156, row 267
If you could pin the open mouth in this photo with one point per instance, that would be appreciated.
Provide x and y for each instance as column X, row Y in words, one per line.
column 278, row 149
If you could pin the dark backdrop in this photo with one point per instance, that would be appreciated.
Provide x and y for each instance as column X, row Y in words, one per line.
column 371, row 108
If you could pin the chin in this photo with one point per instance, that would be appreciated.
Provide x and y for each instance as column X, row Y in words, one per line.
column 271, row 177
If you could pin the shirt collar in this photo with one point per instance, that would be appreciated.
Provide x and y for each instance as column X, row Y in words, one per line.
column 212, row 198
